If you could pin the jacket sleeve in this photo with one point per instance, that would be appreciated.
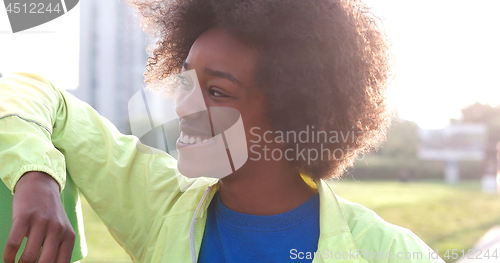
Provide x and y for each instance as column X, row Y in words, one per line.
column 46, row 129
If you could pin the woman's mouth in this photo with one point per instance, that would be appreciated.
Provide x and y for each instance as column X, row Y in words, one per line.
column 194, row 139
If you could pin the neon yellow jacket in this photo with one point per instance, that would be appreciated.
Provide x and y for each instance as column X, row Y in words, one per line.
column 154, row 212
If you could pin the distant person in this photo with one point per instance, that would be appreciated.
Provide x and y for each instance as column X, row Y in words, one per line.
column 284, row 66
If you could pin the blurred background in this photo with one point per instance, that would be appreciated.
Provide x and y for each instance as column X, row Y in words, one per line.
column 437, row 173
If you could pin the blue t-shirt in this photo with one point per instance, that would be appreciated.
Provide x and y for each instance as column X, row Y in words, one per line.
column 235, row 237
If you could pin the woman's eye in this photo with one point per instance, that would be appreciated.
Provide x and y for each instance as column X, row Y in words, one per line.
column 216, row 93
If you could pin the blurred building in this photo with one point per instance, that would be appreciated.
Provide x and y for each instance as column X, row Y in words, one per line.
column 112, row 58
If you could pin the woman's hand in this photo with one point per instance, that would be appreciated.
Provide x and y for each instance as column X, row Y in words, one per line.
column 38, row 214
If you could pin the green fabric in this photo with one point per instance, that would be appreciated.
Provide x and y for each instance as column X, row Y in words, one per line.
column 147, row 205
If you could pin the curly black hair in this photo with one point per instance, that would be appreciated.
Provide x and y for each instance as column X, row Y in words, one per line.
column 322, row 63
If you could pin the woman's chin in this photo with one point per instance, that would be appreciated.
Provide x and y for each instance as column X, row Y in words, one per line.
column 199, row 163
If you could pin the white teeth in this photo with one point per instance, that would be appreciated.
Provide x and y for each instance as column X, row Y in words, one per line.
column 192, row 139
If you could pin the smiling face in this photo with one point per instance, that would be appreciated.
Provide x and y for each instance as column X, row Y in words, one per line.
column 225, row 70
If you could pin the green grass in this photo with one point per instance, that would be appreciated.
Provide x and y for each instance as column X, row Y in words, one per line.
column 444, row 216
column 102, row 248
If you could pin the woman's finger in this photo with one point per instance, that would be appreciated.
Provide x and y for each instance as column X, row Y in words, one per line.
column 35, row 240
column 17, row 233
column 66, row 248
column 50, row 248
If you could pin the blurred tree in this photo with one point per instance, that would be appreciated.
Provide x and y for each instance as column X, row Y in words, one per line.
column 402, row 141
column 490, row 116
column 486, row 114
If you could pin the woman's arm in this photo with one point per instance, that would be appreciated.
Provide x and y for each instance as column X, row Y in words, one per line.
column 125, row 187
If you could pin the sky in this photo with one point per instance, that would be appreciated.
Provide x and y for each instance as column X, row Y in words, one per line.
column 50, row 49
column 447, row 54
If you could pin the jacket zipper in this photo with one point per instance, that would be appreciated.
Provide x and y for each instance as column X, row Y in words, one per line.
column 193, row 226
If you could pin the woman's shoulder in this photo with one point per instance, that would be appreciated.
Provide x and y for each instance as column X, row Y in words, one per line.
column 364, row 222
column 372, row 234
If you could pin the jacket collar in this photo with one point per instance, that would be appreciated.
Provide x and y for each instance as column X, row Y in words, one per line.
column 336, row 243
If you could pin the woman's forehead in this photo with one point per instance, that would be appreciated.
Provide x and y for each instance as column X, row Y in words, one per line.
column 216, row 49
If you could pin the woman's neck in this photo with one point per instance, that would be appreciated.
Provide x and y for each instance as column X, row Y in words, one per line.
column 264, row 188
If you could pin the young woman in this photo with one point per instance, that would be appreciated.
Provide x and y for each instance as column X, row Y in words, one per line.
column 287, row 67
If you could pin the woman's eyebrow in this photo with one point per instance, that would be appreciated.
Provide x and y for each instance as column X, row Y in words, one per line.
column 216, row 73
column 222, row 74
